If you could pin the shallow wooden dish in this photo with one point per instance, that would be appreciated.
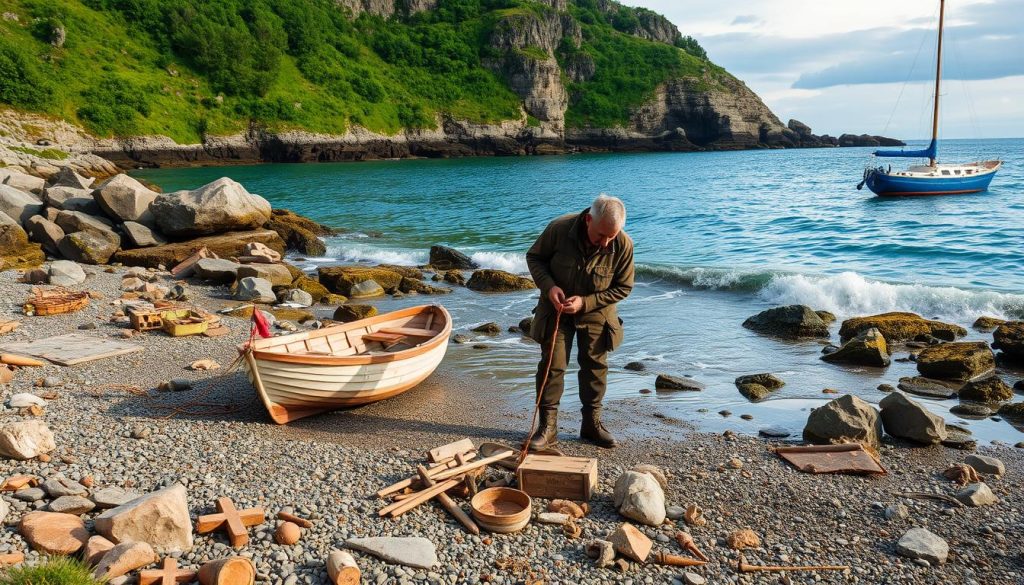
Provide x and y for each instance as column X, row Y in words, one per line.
column 501, row 509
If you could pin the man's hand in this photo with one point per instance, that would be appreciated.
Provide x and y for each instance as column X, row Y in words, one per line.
column 557, row 297
column 573, row 305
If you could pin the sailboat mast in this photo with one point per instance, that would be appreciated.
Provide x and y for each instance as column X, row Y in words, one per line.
column 938, row 80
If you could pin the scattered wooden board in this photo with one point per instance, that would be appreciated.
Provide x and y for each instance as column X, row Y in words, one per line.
column 849, row 458
column 71, row 349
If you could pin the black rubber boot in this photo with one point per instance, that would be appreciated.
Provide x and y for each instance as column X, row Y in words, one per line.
column 594, row 432
column 546, row 436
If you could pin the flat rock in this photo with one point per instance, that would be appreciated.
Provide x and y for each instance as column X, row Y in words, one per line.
column 33, row 494
column 768, row 380
column 900, row 327
column 666, row 382
column 25, row 439
column 76, row 505
column 140, row 236
column 977, row 494
column 159, row 518
column 846, row 419
column 967, row 409
column 276, row 274
column 256, row 290
column 985, row 464
column 217, row 270
column 18, row 204
column 919, row 543
column 61, row 486
column 89, row 247
column 907, row 419
column 124, row 558
column 54, row 533
column 791, row 321
column 928, row 387
column 226, row 245
column 414, row 551
column 23, row 181
column 960, row 361
column 95, row 548
column 774, row 432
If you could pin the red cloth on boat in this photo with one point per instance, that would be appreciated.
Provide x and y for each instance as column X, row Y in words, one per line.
column 259, row 323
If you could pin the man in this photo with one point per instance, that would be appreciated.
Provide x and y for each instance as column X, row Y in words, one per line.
column 583, row 265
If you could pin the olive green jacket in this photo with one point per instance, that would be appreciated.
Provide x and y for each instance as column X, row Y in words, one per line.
column 603, row 278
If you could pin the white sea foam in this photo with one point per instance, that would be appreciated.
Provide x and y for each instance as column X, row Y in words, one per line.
column 352, row 252
column 850, row 293
column 507, row 261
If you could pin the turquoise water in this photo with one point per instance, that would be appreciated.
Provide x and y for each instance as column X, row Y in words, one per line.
column 719, row 236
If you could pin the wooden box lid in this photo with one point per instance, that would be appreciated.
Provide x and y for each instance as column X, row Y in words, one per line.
column 555, row 463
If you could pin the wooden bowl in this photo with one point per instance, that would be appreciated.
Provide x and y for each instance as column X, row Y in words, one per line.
column 501, row 509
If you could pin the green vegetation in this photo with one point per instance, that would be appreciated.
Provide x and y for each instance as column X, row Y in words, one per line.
column 55, row 571
column 51, row 153
column 187, row 68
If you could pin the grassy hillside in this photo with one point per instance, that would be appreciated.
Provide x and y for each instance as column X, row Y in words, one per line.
column 185, row 68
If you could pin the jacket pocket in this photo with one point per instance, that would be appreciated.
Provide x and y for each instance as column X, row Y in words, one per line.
column 539, row 328
column 613, row 334
column 602, row 278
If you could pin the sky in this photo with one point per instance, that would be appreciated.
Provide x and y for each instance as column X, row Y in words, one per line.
column 869, row 66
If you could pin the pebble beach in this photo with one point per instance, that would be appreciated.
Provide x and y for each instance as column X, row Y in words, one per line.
column 113, row 425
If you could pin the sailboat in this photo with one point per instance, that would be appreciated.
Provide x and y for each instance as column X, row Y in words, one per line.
column 933, row 178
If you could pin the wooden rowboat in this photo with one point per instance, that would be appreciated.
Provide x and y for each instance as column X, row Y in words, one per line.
column 349, row 364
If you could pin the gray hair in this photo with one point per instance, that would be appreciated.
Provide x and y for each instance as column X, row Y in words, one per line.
column 606, row 206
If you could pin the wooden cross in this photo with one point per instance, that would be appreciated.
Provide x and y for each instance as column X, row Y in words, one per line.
column 170, row 574
column 233, row 520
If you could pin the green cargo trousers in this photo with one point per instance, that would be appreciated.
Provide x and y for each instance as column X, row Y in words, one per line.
column 592, row 355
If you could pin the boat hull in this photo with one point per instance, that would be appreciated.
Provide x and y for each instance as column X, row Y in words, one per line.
column 295, row 386
column 890, row 185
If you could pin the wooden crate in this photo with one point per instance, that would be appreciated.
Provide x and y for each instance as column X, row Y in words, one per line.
column 549, row 476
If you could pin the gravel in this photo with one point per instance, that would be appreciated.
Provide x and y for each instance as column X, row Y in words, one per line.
column 111, row 424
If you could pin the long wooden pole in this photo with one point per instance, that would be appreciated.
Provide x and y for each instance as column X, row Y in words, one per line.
column 449, row 504
column 938, row 78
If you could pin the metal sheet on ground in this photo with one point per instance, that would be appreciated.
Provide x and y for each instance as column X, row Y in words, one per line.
column 71, row 349
column 850, row 458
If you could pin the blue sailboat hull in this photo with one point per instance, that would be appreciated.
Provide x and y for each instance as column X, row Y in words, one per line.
column 885, row 184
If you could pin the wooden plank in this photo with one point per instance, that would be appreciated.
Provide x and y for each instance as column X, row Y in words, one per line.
column 71, row 349
column 450, row 450
column 410, row 331
column 383, row 337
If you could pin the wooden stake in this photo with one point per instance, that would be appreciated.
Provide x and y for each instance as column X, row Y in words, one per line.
column 342, row 568
column 398, row 508
column 294, row 519
column 449, row 504
column 433, row 470
column 471, row 466
column 676, row 561
column 743, row 567
column 170, row 574
column 233, row 520
column 443, row 452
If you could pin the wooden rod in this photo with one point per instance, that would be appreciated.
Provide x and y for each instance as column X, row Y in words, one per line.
column 471, row 466
column 432, row 470
column 449, row 504
column 676, row 561
column 293, row 518
column 425, row 495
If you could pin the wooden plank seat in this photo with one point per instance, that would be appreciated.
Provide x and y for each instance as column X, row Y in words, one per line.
column 383, row 337
column 408, row 331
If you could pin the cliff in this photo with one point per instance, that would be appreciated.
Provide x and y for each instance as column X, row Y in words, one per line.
column 300, row 80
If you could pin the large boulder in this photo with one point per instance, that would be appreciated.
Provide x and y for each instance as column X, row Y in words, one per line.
column 25, row 439
column 1009, row 339
column 125, row 199
column 299, row 233
column 988, row 389
column 65, row 273
column 355, row 312
column 907, row 419
column 71, row 199
column 445, row 258
column 487, row 280
column 15, row 249
column 792, row 321
column 77, row 221
column 221, row 206
column 956, row 361
column 316, row 290
column 365, row 290
column 846, row 419
column 140, row 236
column 22, row 181
column 45, row 233
column 67, row 177
column 277, row 274
column 638, row 496
column 217, row 270
column 900, row 327
column 18, row 204
column 89, row 247
column 223, row 245
column 868, row 348
column 341, row 279
column 256, row 290
column 160, row 519
column 54, row 533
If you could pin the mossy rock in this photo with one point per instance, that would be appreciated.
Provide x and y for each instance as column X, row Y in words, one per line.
column 333, row 299
column 349, row 313
column 487, row 280
column 956, row 361
column 311, row 286
column 16, row 251
column 900, row 327
column 411, row 285
column 754, row 392
column 295, row 271
column 1014, row 411
column 299, row 233
column 826, row 316
column 455, row 277
column 406, row 271
column 341, row 279
column 769, row 381
column 990, row 389
column 1009, row 338
column 985, row 323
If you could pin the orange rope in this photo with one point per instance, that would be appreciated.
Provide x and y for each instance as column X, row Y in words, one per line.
column 540, row 392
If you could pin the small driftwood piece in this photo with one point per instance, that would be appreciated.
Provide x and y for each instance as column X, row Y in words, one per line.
column 229, row 571
column 439, row 454
column 168, row 574
column 662, row 558
column 461, row 469
column 413, row 481
column 294, row 519
column 937, row 497
column 686, row 542
column 342, row 568
column 398, row 508
column 449, row 504
column 743, row 567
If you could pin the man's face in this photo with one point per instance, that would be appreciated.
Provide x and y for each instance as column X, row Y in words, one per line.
column 601, row 233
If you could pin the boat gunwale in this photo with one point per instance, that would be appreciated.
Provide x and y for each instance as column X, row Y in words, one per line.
column 258, row 348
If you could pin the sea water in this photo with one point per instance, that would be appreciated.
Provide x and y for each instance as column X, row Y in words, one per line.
column 719, row 236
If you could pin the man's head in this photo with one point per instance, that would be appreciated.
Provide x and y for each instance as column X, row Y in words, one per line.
column 605, row 220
